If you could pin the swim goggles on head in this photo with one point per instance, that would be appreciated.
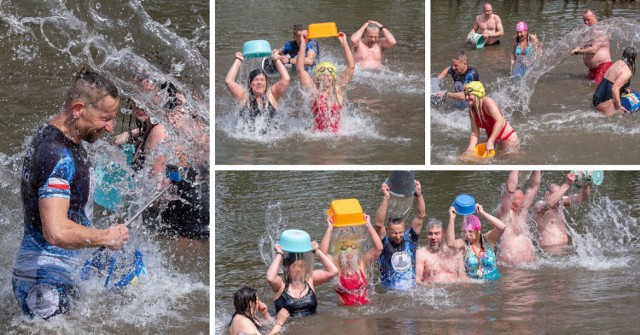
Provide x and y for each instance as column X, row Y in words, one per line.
column 346, row 247
column 325, row 69
column 469, row 90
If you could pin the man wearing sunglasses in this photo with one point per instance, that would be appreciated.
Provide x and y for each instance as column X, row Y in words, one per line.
column 398, row 259
column 368, row 46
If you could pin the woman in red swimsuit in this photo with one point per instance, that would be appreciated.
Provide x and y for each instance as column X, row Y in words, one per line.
column 327, row 89
column 351, row 283
column 484, row 113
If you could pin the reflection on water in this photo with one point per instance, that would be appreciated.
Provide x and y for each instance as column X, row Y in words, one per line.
column 555, row 293
column 550, row 107
column 45, row 43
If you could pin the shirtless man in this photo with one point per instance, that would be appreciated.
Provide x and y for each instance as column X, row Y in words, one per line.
column 489, row 25
column 516, row 246
column 436, row 262
column 596, row 50
column 367, row 47
column 548, row 213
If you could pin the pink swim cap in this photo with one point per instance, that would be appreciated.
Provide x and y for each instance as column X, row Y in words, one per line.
column 471, row 222
column 522, row 26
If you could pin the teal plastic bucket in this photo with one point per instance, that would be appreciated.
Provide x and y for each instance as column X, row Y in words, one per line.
column 256, row 49
column 295, row 240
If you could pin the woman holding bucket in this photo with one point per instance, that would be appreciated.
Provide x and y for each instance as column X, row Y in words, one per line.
column 351, row 284
column 479, row 255
column 484, row 113
column 327, row 89
column 257, row 98
column 295, row 291
column 616, row 82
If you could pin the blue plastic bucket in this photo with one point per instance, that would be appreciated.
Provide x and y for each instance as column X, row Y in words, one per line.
column 256, row 49
column 464, row 204
column 631, row 101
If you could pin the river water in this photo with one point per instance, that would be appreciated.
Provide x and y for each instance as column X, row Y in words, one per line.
column 590, row 289
column 384, row 116
column 44, row 43
column 551, row 106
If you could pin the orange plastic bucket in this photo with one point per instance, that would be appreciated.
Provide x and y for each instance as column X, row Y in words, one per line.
column 481, row 151
column 322, row 30
column 346, row 212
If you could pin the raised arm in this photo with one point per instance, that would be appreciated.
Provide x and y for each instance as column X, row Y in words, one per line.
column 498, row 226
column 238, row 92
column 381, row 214
column 578, row 197
column 326, row 239
column 373, row 253
column 305, row 78
column 421, row 211
column 329, row 271
column 532, row 188
column 389, row 40
column 281, row 86
column 452, row 242
column 507, row 194
column 347, row 74
column 357, row 36
column 275, row 282
column 556, row 198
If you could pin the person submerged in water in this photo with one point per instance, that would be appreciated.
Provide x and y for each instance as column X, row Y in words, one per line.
column 616, row 83
column 523, row 45
column 296, row 290
column 245, row 319
column 479, row 255
column 484, row 113
column 258, row 98
column 352, row 282
column 327, row 90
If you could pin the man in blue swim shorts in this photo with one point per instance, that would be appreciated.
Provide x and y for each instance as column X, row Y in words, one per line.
column 398, row 259
column 57, row 197
column 289, row 50
column 462, row 74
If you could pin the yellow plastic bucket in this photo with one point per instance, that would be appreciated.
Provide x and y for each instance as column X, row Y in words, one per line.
column 322, row 30
column 481, row 151
column 476, row 39
column 346, row 212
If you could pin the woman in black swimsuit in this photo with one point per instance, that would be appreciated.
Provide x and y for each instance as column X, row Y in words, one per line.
column 296, row 291
column 616, row 82
column 245, row 320
column 257, row 98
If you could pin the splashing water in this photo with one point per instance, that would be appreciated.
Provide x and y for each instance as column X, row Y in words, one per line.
column 48, row 41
